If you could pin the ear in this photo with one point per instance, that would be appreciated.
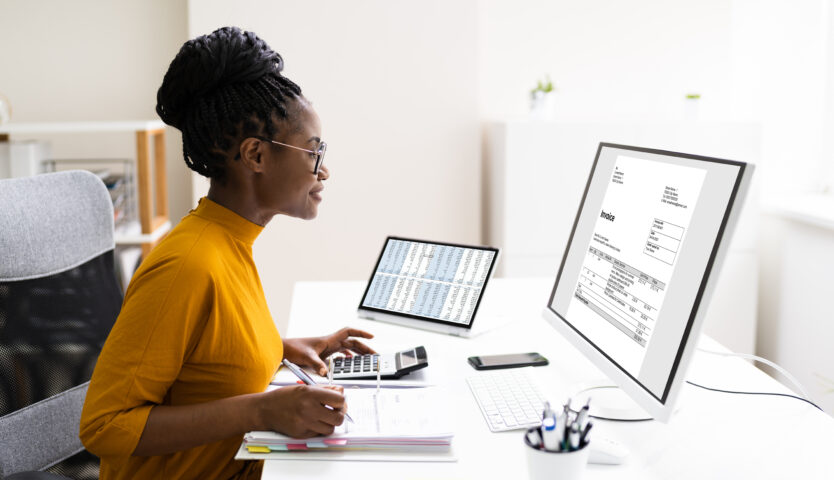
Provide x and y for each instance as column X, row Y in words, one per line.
column 251, row 150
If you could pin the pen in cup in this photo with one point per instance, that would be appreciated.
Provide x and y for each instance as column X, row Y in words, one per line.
column 582, row 416
column 583, row 440
column 573, row 437
column 301, row 374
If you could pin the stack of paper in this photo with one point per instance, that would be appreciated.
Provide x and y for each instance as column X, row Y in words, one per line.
column 406, row 420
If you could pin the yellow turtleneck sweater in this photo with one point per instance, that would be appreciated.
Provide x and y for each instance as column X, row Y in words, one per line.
column 194, row 327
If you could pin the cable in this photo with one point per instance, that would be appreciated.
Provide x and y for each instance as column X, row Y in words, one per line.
column 757, row 393
column 625, row 420
column 713, row 390
column 805, row 398
column 781, row 370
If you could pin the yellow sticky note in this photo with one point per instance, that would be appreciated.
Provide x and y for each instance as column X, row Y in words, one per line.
column 257, row 449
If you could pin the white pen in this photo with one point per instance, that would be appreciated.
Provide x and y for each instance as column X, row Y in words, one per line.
column 330, row 372
column 582, row 416
column 562, row 424
column 550, row 436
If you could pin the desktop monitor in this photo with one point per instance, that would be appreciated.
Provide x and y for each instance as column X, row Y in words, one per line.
column 640, row 264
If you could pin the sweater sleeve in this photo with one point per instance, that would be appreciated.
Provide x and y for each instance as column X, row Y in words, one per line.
column 161, row 320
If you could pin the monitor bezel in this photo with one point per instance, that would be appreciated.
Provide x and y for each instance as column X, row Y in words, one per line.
column 659, row 407
column 420, row 318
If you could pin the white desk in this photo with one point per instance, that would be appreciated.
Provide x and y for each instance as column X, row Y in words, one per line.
column 713, row 435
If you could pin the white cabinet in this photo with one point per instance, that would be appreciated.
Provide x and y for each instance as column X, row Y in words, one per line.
column 535, row 175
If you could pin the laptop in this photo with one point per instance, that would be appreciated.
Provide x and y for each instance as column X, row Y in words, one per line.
column 429, row 285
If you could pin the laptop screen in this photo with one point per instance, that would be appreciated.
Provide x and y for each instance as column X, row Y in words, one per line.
column 432, row 281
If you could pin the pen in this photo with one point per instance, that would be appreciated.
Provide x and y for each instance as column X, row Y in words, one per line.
column 330, row 372
column 307, row 380
column 549, row 435
column 584, row 439
column 561, row 432
column 574, row 436
column 582, row 416
column 547, row 412
column 564, row 430
column 534, row 438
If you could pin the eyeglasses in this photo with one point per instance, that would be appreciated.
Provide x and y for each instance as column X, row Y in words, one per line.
column 319, row 153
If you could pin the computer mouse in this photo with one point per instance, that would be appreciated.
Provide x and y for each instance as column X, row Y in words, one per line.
column 607, row 452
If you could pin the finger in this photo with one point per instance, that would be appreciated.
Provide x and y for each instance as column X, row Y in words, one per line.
column 318, row 365
column 329, row 396
column 358, row 346
column 322, row 429
column 355, row 332
column 337, row 388
column 333, row 417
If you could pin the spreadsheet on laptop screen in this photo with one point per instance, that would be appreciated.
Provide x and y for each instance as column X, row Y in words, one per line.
column 442, row 282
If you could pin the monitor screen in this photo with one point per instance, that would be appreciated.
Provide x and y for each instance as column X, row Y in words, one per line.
column 431, row 281
column 637, row 262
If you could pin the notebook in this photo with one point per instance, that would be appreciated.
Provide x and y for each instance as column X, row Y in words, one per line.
column 392, row 424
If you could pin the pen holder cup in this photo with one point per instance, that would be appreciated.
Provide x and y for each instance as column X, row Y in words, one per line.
column 546, row 465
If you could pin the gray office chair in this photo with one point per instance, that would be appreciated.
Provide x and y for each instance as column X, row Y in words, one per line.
column 59, row 297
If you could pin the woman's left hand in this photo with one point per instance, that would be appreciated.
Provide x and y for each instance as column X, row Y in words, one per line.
column 311, row 351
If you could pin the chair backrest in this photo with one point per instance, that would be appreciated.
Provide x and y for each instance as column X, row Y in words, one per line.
column 51, row 223
column 59, row 297
column 50, row 425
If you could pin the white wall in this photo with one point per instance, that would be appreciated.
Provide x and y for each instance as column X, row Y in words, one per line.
column 93, row 60
column 609, row 60
column 782, row 64
column 781, row 56
column 396, row 87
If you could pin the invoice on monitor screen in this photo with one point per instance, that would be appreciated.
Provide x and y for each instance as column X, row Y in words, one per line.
column 641, row 228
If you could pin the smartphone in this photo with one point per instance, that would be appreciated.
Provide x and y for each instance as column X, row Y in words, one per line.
column 512, row 360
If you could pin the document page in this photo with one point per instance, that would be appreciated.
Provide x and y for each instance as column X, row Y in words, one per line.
column 637, row 237
column 395, row 412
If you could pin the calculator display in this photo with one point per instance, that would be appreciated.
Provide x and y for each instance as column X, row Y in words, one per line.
column 408, row 358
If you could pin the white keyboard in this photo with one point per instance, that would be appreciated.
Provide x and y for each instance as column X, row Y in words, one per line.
column 509, row 399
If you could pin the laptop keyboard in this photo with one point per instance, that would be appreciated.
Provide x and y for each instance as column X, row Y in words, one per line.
column 508, row 399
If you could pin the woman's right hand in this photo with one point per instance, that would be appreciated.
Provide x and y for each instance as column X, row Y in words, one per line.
column 299, row 411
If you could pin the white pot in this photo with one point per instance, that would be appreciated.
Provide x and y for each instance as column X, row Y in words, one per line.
column 543, row 106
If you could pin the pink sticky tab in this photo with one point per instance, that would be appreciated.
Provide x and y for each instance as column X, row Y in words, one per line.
column 335, row 441
column 296, row 446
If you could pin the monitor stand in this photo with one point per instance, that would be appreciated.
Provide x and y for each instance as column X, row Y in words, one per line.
column 607, row 402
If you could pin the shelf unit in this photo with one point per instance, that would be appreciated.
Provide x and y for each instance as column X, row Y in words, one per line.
column 151, row 179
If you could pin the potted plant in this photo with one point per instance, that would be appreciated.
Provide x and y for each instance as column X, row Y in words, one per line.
column 542, row 98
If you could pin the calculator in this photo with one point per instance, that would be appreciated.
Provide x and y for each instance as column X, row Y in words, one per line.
column 391, row 365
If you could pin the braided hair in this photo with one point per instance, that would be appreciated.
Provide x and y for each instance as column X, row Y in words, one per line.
column 220, row 88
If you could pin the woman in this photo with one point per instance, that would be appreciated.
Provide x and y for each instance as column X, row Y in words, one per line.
column 182, row 375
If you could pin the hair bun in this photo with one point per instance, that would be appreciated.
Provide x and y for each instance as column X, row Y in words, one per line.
column 208, row 63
